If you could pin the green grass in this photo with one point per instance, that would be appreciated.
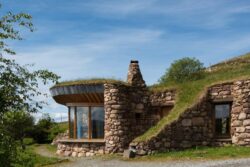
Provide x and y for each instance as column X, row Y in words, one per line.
column 51, row 148
column 189, row 93
column 63, row 126
column 201, row 153
column 92, row 81
column 41, row 160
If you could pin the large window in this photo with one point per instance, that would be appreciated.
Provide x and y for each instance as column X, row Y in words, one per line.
column 86, row 122
column 222, row 119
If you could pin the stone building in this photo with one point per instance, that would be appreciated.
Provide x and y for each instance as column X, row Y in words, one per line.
column 106, row 116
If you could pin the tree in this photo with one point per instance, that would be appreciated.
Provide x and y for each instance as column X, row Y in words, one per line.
column 18, row 85
column 42, row 129
column 18, row 125
column 185, row 69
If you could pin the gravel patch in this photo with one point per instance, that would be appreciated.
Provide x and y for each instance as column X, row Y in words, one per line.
column 96, row 162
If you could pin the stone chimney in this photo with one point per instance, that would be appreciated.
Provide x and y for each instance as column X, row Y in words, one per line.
column 134, row 74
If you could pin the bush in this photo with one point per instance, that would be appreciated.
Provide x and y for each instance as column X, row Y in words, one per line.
column 42, row 129
column 56, row 129
column 185, row 69
column 28, row 141
column 24, row 159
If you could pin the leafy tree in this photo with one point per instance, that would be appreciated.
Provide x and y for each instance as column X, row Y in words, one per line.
column 18, row 125
column 185, row 69
column 42, row 129
column 18, row 85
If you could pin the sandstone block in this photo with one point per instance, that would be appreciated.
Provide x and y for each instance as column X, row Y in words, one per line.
column 74, row 154
column 198, row 121
column 235, row 139
column 81, row 154
column 236, row 123
column 59, row 152
column 67, row 153
column 246, row 122
column 128, row 153
column 186, row 122
column 140, row 106
column 117, row 106
column 240, row 129
column 242, row 116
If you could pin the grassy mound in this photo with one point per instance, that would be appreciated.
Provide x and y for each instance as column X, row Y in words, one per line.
column 188, row 93
column 91, row 81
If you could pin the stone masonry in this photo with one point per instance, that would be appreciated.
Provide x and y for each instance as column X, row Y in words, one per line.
column 131, row 109
column 195, row 126
column 240, row 117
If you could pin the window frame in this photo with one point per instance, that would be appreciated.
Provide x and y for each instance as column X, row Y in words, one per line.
column 89, row 119
column 227, row 135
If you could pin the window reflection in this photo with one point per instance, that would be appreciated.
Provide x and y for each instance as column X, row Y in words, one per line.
column 89, row 122
column 82, row 122
column 222, row 119
column 97, row 118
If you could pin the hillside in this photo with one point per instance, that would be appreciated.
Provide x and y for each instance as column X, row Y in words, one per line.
column 188, row 93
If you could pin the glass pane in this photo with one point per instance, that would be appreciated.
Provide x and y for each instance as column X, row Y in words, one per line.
column 82, row 122
column 71, row 121
column 222, row 120
column 97, row 120
column 222, row 110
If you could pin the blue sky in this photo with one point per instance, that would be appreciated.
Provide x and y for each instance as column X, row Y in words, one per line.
column 98, row 38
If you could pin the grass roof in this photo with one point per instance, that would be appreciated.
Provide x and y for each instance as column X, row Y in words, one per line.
column 189, row 93
column 90, row 81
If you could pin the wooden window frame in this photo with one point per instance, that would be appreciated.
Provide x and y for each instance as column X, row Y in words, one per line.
column 89, row 120
column 221, row 136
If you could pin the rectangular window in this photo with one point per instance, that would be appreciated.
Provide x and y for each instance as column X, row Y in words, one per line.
column 86, row 122
column 222, row 119
column 82, row 122
column 97, row 119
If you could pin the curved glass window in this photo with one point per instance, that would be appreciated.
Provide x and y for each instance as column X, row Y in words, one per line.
column 86, row 122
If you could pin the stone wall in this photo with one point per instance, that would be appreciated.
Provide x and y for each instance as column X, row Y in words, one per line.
column 240, row 117
column 117, row 117
column 221, row 92
column 194, row 127
column 80, row 149
column 163, row 98
column 131, row 109
column 59, row 137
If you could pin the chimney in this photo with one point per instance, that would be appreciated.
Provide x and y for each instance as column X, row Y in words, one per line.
column 134, row 74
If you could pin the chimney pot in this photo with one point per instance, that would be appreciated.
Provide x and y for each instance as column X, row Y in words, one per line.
column 134, row 61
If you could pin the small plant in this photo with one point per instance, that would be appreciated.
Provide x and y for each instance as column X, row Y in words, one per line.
column 185, row 69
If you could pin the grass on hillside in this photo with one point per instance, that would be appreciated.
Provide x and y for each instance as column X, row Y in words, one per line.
column 92, row 81
column 200, row 153
column 188, row 93
column 63, row 126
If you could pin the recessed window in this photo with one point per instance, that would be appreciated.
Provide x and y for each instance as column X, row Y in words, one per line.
column 222, row 119
column 86, row 122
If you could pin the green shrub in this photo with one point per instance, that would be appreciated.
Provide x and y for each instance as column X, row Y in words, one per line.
column 28, row 141
column 56, row 129
column 185, row 69
column 42, row 129
column 24, row 159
